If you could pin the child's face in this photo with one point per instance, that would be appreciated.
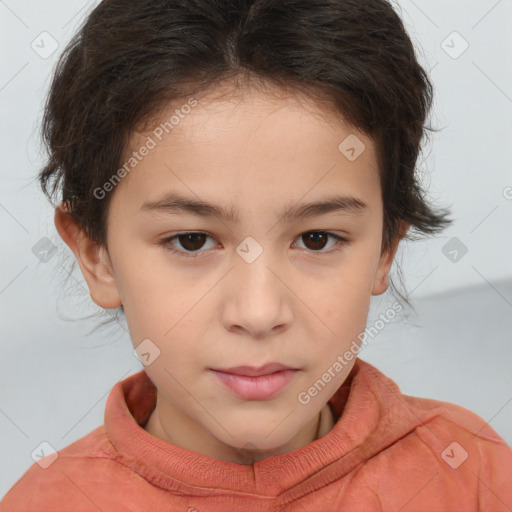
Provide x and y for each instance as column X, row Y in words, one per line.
column 300, row 302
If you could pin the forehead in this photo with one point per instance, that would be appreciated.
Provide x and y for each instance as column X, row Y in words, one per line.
column 251, row 110
column 249, row 142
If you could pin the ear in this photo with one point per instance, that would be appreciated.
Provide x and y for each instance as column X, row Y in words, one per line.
column 381, row 280
column 93, row 259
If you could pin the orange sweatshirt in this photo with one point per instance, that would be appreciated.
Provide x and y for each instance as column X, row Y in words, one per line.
column 387, row 452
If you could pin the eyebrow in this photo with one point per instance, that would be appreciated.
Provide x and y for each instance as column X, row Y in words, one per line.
column 176, row 204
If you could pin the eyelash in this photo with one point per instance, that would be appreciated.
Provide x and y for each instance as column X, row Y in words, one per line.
column 167, row 243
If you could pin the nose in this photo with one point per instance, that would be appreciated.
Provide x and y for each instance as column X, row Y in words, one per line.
column 259, row 300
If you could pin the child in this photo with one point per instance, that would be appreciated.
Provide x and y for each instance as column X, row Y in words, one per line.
column 283, row 136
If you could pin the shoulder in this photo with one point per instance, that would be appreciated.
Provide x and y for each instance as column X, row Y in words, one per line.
column 463, row 451
column 436, row 455
column 71, row 479
column 451, row 419
column 432, row 422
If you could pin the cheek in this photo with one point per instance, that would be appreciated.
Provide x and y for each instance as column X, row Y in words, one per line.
column 149, row 304
column 143, row 274
column 164, row 307
column 344, row 311
column 342, row 301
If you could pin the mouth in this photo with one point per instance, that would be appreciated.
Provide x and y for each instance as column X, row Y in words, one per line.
column 253, row 371
column 261, row 387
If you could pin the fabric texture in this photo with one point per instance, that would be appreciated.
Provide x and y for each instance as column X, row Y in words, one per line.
column 387, row 452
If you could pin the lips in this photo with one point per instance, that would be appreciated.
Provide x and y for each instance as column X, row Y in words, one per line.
column 262, row 387
column 252, row 371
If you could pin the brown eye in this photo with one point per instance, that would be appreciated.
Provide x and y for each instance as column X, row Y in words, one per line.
column 192, row 241
column 315, row 240
column 186, row 244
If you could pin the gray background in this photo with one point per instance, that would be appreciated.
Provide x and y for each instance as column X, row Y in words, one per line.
column 55, row 377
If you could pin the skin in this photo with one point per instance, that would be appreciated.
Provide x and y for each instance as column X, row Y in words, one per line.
column 300, row 303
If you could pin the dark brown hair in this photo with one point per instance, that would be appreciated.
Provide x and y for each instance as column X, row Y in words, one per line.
column 130, row 58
